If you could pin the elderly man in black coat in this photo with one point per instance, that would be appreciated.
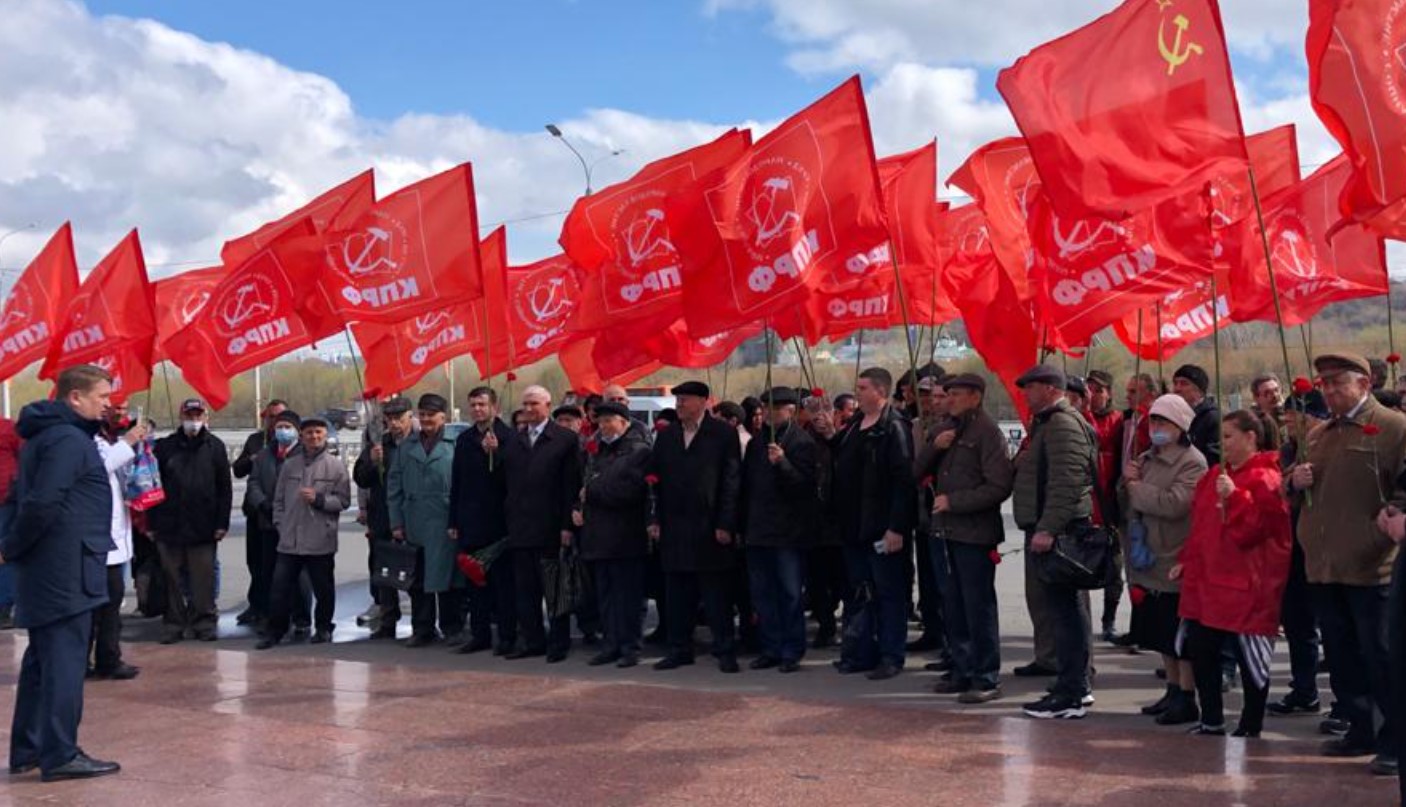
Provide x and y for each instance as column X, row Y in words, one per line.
column 780, row 505
column 698, row 467
column 544, row 485
column 478, row 517
column 59, row 546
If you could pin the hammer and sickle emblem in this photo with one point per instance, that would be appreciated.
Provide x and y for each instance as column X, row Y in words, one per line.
column 1176, row 55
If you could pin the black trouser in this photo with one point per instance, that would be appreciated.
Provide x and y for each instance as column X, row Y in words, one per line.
column 444, row 607
column 741, row 587
column 1354, row 622
column 494, row 598
column 653, row 589
column 682, row 591
column 199, row 613
column 1067, row 610
column 107, row 624
column 301, row 605
column 260, row 568
column 1300, row 630
column 967, row 578
column 1397, row 628
column 826, row 582
column 588, row 616
column 620, row 590
column 529, row 587
column 320, row 574
column 1113, row 595
column 49, row 698
column 1205, row 646
column 929, row 593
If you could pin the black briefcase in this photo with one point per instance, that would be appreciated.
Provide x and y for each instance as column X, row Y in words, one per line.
column 399, row 565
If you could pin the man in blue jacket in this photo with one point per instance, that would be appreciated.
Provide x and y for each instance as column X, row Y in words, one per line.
column 59, row 547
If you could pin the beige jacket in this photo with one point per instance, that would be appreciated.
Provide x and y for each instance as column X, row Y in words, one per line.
column 1162, row 499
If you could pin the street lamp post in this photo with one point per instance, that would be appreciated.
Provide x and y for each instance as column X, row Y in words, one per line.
column 586, row 167
column 5, row 387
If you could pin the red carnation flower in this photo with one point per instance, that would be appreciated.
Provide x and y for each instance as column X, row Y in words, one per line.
column 1371, row 430
column 371, row 394
column 592, row 448
column 1394, row 358
column 1302, row 386
column 472, row 569
column 996, row 557
column 927, row 481
column 817, row 392
column 661, row 424
column 1137, row 594
column 651, row 479
column 512, row 376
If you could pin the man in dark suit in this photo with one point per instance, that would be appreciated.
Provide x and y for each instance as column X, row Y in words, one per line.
column 478, row 499
column 59, row 547
column 698, row 465
column 544, row 484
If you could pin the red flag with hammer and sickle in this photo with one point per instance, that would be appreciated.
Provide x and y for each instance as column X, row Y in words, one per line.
column 180, row 299
column 340, row 205
column 36, row 303
column 1133, row 109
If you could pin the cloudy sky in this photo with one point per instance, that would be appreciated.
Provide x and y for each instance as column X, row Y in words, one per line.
column 197, row 121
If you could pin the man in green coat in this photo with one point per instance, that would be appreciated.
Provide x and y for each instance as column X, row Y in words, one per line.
column 417, row 495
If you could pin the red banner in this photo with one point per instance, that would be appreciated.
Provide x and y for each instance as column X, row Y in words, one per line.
column 414, row 251
column 1177, row 320
column 800, row 211
column 528, row 308
column 110, row 322
column 909, row 184
column 252, row 315
column 1001, row 178
column 37, row 303
column 621, row 239
column 1133, row 109
column 398, row 356
column 340, row 205
column 179, row 299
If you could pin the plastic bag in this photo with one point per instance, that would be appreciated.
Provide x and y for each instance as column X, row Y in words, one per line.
column 144, row 489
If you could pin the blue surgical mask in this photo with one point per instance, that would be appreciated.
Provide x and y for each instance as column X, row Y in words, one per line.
column 1162, row 438
column 285, row 436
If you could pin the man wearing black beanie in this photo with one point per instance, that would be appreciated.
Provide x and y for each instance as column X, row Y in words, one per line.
column 1191, row 383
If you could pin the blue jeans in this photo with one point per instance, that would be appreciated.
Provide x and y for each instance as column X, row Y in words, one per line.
column 776, row 577
column 876, row 613
column 7, row 572
column 967, row 579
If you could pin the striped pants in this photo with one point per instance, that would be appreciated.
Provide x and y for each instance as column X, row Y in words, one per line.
column 1252, row 653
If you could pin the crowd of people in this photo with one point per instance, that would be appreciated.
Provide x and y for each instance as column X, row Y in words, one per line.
column 1232, row 529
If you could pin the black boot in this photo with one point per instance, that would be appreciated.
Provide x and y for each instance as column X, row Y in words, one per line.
column 1161, row 706
column 1181, row 709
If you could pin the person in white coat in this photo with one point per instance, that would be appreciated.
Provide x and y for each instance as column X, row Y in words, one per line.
column 116, row 442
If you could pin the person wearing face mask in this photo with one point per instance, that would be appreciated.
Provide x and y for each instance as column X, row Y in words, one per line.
column 263, row 482
column 1157, row 488
column 191, row 522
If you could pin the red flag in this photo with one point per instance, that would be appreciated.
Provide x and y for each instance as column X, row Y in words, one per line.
column 1182, row 317
column 528, row 309
column 909, row 183
column 1357, row 82
column 252, row 315
column 1001, row 178
column 998, row 324
column 179, row 299
column 37, row 303
column 801, row 210
column 111, row 322
column 835, row 315
column 1274, row 155
column 1135, row 108
column 618, row 351
column 577, row 361
column 414, row 251
column 621, row 240
column 1310, row 270
column 399, row 355
column 340, row 205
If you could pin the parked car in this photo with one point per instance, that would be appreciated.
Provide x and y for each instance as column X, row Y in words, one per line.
column 341, row 418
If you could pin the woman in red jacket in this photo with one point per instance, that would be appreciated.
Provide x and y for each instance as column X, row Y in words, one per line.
column 1234, row 567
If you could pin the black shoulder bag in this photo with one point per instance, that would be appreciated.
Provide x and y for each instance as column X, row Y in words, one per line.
column 1083, row 553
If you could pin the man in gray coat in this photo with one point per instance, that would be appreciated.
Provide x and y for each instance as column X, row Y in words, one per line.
column 313, row 489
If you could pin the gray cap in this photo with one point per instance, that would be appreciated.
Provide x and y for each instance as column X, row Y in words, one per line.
column 1042, row 374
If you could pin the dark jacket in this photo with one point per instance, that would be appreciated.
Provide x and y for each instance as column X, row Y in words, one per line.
column 63, row 529
column 1054, row 472
column 616, row 507
column 196, row 476
column 1205, row 431
column 263, row 482
column 244, row 463
column 478, row 497
column 697, row 494
column 544, row 484
column 874, row 487
column 779, row 501
column 976, row 476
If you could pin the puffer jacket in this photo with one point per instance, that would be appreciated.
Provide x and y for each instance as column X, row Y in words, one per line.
column 1162, row 500
column 1064, row 444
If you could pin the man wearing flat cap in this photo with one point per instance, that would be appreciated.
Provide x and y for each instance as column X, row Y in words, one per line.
column 970, row 480
column 1053, row 491
column 1192, row 383
column 1353, row 461
column 370, row 474
column 417, row 493
column 779, row 495
column 695, row 523
column 1107, row 421
column 931, row 423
